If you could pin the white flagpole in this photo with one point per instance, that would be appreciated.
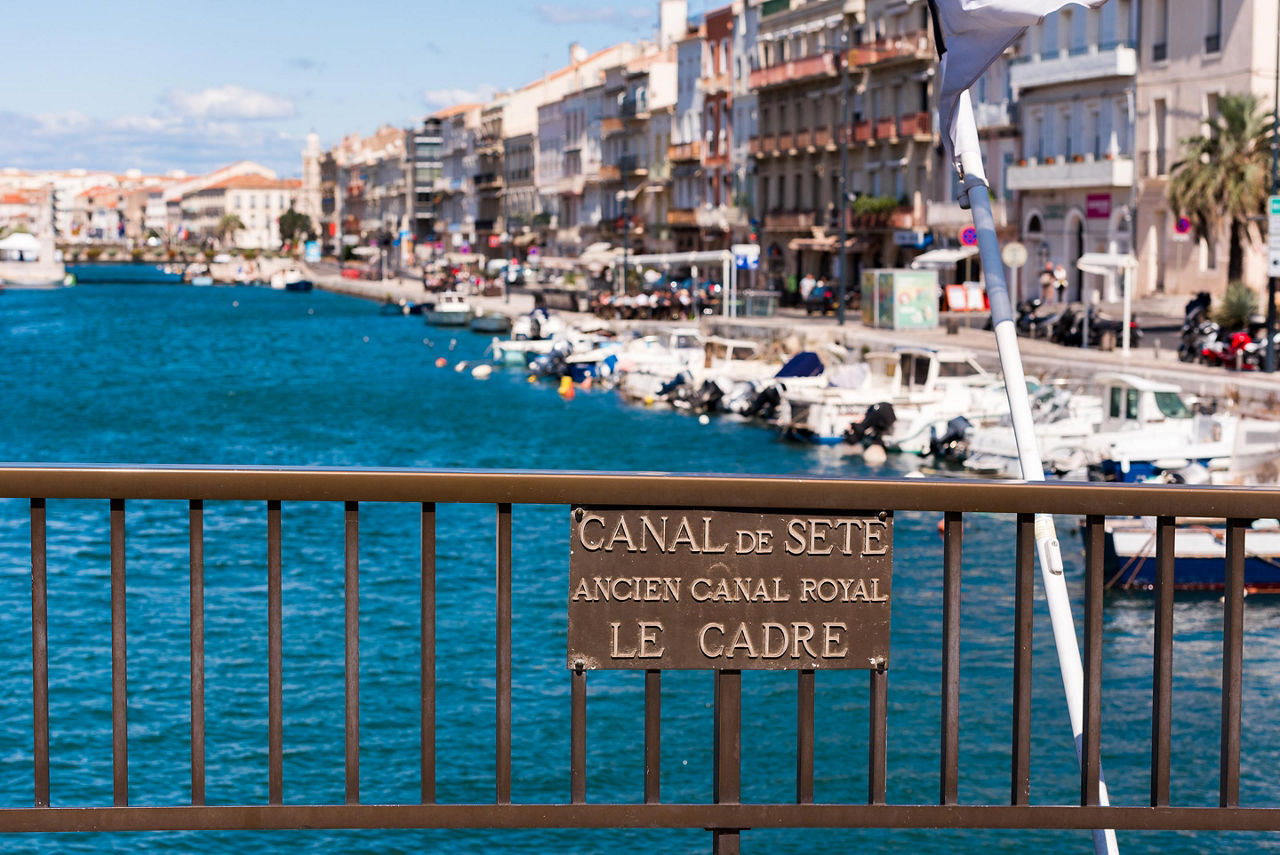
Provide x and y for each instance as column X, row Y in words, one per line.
column 969, row 154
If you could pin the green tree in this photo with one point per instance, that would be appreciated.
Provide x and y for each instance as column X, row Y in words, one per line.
column 294, row 226
column 228, row 226
column 1224, row 174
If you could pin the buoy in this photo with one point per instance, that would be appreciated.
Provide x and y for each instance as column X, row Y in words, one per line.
column 531, row 379
column 453, row 342
column 566, row 388
column 366, row 339
column 427, row 342
column 441, row 362
column 482, row 372
column 648, row 400
column 586, row 382
column 461, row 366
column 875, row 455
column 311, row 311
column 704, row 419
column 235, row 304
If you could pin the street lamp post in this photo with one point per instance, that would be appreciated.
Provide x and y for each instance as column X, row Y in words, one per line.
column 623, row 197
column 842, row 255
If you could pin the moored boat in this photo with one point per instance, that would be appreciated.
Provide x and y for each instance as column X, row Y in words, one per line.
column 451, row 310
column 1200, row 551
column 491, row 322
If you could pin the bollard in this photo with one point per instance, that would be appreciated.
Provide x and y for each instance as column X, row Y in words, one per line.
column 953, row 326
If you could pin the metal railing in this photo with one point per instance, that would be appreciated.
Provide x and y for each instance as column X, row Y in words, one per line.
column 724, row 815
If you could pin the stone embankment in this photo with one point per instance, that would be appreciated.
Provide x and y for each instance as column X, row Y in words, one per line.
column 791, row 330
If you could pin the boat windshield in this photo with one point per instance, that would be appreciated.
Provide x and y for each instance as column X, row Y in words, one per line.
column 1172, row 406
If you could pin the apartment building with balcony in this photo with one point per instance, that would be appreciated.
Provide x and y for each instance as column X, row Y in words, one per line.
column 742, row 125
column 490, row 176
column 456, row 208
column 719, row 177
column 1075, row 87
column 795, row 74
column 685, row 151
column 372, row 183
column 426, row 167
column 1191, row 54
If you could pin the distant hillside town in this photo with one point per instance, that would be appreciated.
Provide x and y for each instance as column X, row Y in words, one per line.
column 724, row 129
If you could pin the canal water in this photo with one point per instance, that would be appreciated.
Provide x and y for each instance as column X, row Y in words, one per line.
column 174, row 374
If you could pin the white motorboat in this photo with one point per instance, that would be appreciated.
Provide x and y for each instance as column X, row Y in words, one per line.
column 451, row 310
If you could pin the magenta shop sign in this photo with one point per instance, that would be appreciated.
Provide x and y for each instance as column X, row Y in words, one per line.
column 1098, row 206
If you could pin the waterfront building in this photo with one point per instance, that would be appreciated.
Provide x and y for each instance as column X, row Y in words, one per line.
column 742, row 127
column 20, row 210
column 309, row 197
column 425, row 145
column 178, row 216
column 714, row 215
column 256, row 200
column 456, row 209
column 1190, row 55
column 583, row 214
column 328, row 217
column 372, row 184
column 1074, row 85
column 796, row 80
column 685, row 151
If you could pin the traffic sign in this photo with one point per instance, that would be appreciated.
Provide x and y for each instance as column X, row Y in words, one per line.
column 1014, row 254
column 969, row 236
column 1273, row 235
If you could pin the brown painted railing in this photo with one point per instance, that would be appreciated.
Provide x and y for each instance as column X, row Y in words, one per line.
column 724, row 816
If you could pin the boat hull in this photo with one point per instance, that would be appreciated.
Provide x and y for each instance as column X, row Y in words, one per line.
column 448, row 318
column 1200, row 559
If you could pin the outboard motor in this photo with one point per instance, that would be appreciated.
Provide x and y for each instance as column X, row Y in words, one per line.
column 953, row 445
column 707, row 398
column 672, row 386
column 878, row 422
column 765, row 404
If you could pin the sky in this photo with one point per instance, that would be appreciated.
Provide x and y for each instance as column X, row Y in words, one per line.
column 160, row 86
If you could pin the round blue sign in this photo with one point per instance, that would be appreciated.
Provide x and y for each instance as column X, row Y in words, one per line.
column 1183, row 225
column 969, row 237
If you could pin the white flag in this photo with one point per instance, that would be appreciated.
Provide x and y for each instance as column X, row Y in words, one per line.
column 973, row 34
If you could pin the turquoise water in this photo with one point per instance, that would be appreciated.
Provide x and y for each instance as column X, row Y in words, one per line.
column 171, row 374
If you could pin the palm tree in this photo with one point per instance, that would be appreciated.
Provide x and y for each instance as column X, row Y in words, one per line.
column 1223, row 174
column 228, row 226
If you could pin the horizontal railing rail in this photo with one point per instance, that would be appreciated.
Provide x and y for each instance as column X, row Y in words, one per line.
column 725, row 815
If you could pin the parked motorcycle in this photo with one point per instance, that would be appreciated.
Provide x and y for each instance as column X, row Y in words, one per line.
column 1197, row 330
column 1069, row 328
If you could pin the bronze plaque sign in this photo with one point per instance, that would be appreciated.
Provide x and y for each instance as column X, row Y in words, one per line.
column 729, row 590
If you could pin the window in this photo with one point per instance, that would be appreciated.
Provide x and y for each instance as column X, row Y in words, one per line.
column 1213, row 26
column 1159, row 120
column 1160, row 41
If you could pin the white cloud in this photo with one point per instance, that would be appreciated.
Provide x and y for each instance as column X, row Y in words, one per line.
column 441, row 98
column 62, row 122
column 229, row 102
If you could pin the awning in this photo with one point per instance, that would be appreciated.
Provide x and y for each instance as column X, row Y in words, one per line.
column 1106, row 263
column 825, row 244
column 943, row 257
column 20, row 242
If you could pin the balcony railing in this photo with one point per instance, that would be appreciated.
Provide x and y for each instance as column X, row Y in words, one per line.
column 915, row 124
column 886, row 128
column 630, row 164
column 685, row 151
column 1120, row 60
column 822, row 137
column 610, row 172
column 1059, row 173
column 794, row 70
column 862, row 131
column 610, row 125
column 682, row 217
column 908, row 47
column 786, row 141
column 793, row 220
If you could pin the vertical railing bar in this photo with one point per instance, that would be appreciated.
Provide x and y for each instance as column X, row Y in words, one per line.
column 504, row 655
column 1232, row 661
column 119, row 662
column 275, row 659
column 40, row 652
column 878, row 735
column 351, row 600
column 953, row 535
column 1162, row 671
column 1091, row 737
column 428, row 669
column 578, row 737
column 805, row 691
column 1023, row 615
column 196, row 532
column 726, row 784
column 652, row 736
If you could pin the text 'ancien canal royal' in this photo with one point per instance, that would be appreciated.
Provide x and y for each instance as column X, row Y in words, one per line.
column 729, row 590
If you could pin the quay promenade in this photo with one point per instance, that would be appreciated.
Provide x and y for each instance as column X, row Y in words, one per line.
column 794, row 328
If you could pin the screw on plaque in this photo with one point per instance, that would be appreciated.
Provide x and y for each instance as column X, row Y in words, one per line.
column 579, row 666
column 884, row 515
column 577, row 514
